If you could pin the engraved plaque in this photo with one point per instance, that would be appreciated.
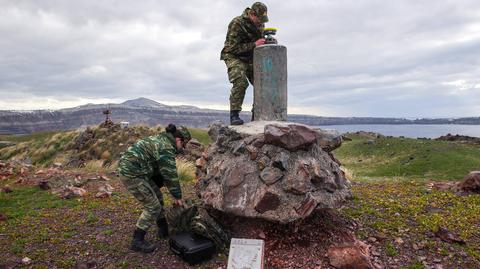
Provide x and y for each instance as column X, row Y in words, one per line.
column 246, row 254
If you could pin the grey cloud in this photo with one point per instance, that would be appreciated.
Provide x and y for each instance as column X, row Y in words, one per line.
column 346, row 58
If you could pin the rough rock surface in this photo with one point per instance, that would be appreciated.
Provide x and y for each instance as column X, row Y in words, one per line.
column 471, row 183
column 280, row 172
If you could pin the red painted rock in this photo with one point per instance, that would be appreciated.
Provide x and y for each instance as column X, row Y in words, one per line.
column 471, row 183
column 291, row 137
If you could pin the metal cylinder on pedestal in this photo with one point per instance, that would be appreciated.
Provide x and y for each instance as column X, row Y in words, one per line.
column 270, row 83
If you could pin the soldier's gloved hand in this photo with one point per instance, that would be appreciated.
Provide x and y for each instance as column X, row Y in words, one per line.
column 260, row 42
column 179, row 202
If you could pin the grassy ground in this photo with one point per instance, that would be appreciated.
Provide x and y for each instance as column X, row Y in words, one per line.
column 392, row 200
column 97, row 147
column 397, row 212
column 407, row 158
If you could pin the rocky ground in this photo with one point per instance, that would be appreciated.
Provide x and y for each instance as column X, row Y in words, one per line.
column 400, row 216
column 386, row 225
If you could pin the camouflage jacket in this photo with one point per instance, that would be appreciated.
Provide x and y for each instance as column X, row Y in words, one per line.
column 241, row 36
column 151, row 156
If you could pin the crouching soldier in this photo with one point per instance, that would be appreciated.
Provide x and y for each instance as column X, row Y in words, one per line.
column 144, row 168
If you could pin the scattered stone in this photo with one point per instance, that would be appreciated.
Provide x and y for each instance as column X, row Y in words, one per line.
column 448, row 236
column 399, row 240
column 262, row 235
column 103, row 177
column 44, row 185
column 85, row 265
column 354, row 255
column 71, row 192
column 372, row 239
column 460, row 138
column 441, row 186
column 57, row 165
column 7, row 189
column 471, row 183
column 26, row 261
column 104, row 191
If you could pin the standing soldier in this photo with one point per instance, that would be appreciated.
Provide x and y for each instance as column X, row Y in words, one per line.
column 144, row 168
column 245, row 32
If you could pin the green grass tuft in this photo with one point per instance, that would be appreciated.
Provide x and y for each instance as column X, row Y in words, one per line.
column 28, row 201
column 201, row 135
column 390, row 249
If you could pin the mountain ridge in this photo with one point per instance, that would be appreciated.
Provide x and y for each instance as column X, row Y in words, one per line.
column 146, row 111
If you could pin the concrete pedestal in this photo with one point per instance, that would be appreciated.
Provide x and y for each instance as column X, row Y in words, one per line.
column 270, row 83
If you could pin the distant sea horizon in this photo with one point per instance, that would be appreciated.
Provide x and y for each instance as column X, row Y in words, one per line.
column 409, row 130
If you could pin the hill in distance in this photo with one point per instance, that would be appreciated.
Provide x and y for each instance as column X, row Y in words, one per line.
column 149, row 112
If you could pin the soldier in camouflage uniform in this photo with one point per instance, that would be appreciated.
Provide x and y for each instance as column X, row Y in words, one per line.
column 245, row 32
column 144, row 168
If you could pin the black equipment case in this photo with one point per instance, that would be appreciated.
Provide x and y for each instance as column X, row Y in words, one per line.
column 191, row 247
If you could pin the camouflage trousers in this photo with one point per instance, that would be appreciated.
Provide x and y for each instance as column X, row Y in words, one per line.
column 239, row 74
column 148, row 194
column 197, row 220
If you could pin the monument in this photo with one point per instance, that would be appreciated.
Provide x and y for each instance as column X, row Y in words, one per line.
column 270, row 80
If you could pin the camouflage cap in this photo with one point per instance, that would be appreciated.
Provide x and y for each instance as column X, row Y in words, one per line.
column 186, row 136
column 260, row 10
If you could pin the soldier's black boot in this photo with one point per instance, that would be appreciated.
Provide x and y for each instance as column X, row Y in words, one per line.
column 162, row 227
column 235, row 118
column 139, row 243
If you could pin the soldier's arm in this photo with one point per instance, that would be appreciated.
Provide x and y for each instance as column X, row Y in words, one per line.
column 168, row 169
column 232, row 42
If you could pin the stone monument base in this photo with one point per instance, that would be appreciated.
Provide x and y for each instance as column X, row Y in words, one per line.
column 278, row 171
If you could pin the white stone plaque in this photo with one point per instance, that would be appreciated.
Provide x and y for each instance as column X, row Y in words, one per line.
column 246, row 254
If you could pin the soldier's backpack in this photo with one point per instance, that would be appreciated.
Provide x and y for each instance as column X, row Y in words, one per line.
column 192, row 248
column 196, row 220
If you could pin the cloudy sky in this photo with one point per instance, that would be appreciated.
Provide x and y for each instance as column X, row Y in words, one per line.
column 404, row 58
